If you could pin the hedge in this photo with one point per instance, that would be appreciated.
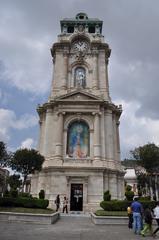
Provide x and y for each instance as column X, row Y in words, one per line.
column 24, row 202
column 121, row 205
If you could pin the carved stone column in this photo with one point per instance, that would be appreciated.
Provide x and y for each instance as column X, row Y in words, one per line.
column 65, row 69
column 95, row 75
column 96, row 136
column 118, row 140
column 48, row 131
column 59, row 135
column 109, row 134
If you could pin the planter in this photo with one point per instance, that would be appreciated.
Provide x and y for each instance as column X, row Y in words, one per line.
column 109, row 220
column 29, row 217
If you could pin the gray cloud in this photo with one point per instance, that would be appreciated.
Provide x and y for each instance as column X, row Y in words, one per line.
column 28, row 29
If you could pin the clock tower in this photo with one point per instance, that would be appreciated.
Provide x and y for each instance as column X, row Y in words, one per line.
column 79, row 124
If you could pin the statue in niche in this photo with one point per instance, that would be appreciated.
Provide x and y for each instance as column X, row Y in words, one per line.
column 80, row 77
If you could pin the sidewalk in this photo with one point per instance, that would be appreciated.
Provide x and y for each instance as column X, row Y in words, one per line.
column 67, row 228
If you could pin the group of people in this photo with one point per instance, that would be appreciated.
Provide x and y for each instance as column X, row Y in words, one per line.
column 137, row 214
column 64, row 203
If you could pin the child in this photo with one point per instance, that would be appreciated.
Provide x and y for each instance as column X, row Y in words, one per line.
column 148, row 222
column 130, row 216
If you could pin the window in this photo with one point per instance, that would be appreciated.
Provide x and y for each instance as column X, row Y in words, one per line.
column 70, row 29
column 92, row 29
column 78, row 140
column 80, row 77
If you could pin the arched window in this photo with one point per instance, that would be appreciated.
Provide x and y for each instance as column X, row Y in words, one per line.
column 78, row 140
column 80, row 77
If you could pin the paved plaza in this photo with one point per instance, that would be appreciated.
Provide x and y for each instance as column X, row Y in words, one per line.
column 67, row 228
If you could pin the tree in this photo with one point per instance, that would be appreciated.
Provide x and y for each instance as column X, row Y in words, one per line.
column 4, row 155
column 14, row 181
column 26, row 161
column 147, row 156
column 129, row 194
column 2, row 183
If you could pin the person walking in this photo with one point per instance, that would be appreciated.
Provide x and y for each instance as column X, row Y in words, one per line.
column 57, row 202
column 65, row 202
column 148, row 222
column 137, row 215
column 156, row 216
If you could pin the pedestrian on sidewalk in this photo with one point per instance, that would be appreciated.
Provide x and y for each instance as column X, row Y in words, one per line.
column 148, row 222
column 65, row 202
column 156, row 216
column 57, row 202
column 137, row 215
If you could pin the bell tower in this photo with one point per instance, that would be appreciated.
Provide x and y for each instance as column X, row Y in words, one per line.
column 79, row 124
column 81, row 58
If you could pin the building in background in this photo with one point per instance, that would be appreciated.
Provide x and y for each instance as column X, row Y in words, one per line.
column 79, row 124
column 130, row 178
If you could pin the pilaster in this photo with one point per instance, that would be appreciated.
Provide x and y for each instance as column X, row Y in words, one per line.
column 109, row 134
column 97, row 146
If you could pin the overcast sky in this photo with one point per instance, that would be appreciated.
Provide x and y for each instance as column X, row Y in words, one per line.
column 27, row 31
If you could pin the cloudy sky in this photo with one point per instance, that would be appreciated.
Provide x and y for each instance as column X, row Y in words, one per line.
column 27, row 31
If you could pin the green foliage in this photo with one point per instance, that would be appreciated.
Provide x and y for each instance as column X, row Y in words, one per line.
column 25, row 195
column 110, row 213
column 14, row 181
column 24, row 202
column 6, row 193
column 27, row 161
column 42, row 194
column 129, row 195
column 107, row 196
column 147, row 156
column 4, row 155
column 121, row 205
column 114, row 205
column 2, row 180
column 14, row 193
column 128, row 188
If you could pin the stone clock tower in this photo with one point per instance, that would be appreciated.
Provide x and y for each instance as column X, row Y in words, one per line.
column 79, row 124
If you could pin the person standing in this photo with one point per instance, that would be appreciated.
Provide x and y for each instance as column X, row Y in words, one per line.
column 130, row 216
column 148, row 222
column 65, row 202
column 137, row 215
column 57, row 202
column 156, row 216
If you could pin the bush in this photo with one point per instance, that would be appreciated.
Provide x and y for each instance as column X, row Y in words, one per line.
column 14, row 193
column 42, row 203
column 115, row 205
column 129, row 195
column 107, row 196
column 42, row 194
column 6, row 193
column 7, row 202
column 24, row 202
column 128, row 188
column 121, row 205
column 25, row 194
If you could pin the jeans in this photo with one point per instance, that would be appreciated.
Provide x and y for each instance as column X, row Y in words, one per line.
column 136, row 222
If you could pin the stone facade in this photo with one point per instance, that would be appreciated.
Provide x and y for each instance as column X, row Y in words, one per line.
column 79, row 125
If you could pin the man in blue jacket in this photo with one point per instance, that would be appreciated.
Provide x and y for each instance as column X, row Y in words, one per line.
column 137, row 210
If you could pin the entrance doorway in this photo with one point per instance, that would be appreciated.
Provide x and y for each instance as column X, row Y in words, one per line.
column 76, row 203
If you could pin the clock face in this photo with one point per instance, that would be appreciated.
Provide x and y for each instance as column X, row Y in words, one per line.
column 80, row 46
